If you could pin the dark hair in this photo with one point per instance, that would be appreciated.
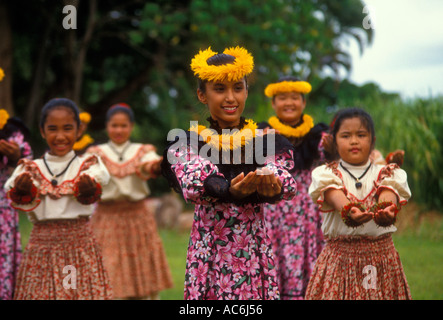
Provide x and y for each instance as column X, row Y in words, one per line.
column 349, row 113
column 57, row 103
column 120, row 107
column 217, row 60
column 289, row 78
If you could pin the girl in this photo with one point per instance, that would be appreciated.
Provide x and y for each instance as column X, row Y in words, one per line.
column 295, row 225
column 13, row 146
column 229, row 254
column 361, row 200
column 62, row 259
column 124, row 222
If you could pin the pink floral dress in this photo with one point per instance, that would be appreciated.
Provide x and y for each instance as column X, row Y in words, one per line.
column 10, row 245
column 295, row 225
column 229, row 253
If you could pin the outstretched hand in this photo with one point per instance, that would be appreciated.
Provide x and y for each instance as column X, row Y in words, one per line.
column 263, row 181
column 360, row 216
column 386, row 216
column 86, row 186
column 269, row 185
column 10, row 149
column 23, row 184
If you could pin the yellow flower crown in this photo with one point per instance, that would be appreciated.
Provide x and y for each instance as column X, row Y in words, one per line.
column 224, row 141
column 242, row 65
column 4, row 116
column 85, row 141
column 287, row 86
column 85, row 117
column 2, row 74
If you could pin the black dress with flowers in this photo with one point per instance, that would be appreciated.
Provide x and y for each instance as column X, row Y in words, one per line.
column 295, row 225
column 229, row 254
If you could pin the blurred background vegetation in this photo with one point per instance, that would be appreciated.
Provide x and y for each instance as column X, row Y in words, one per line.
column 139, row 52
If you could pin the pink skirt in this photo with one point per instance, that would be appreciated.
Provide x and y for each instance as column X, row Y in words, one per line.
column 358, row 268
column 132, row 248
column 62, row 261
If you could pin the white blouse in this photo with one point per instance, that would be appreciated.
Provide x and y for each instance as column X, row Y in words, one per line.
column 124, row 162
column 378, row 176
column 58, row 202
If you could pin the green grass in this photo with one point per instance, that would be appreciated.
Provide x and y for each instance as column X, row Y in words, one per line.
column 420, row 248
column 421, row 253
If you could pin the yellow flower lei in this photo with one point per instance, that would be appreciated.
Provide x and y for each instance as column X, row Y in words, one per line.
column 2, row 74
column 287, row 86
column 227, row 141
column 85, row 117
column 85, row 141
column 4, row 116
column 242, row 65
column 288, row 131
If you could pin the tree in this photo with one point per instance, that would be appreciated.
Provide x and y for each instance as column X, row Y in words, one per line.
column 139, row 51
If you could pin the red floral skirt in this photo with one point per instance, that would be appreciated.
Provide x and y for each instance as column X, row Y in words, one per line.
column 62, row 261
column 358, row 268
column 132, row 248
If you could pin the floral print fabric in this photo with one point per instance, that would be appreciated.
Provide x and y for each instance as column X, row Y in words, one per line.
column 10, row 246
column 229, row 254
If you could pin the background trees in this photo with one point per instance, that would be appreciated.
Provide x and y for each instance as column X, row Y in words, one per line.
column 139, row 52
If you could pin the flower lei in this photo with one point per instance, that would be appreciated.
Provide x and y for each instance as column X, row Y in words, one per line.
column 288, row 131
column 85, row 117
column 287, row 86
column 88, row 199
column 4, row 116
column 224, row 141
column 242, row 65
column 85, row 141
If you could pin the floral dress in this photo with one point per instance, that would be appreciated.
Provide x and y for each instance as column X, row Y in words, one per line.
column 229, row 253
column 10, row 246
column 295, row 225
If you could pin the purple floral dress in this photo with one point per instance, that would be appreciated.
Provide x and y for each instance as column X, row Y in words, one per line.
column 295, row 225
column 10, row 246
column 229, row 253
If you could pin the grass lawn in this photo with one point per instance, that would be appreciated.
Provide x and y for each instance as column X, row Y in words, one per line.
column 419, row 243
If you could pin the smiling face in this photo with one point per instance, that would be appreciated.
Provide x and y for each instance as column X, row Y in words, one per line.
column 60, row 131
column 225, row 100
column 119, row 128
column 354, row 142
column 289, row 107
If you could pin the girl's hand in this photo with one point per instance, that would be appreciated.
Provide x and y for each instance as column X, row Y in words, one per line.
column 360, row 216
column 386, row 216
column 269, row 185
column 328, row 143
column 10, row 149
column 242, row 186
column 86, row 186
column 23, row 184
column 153, row 167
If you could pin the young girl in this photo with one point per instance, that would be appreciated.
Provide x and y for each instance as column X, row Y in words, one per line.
column 62, row 259
column 361, row 201
column 124, row 222
column 229, row 254
column 295, row 225
column 13, row 146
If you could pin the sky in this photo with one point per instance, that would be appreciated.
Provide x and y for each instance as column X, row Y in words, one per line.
column 406, row 55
